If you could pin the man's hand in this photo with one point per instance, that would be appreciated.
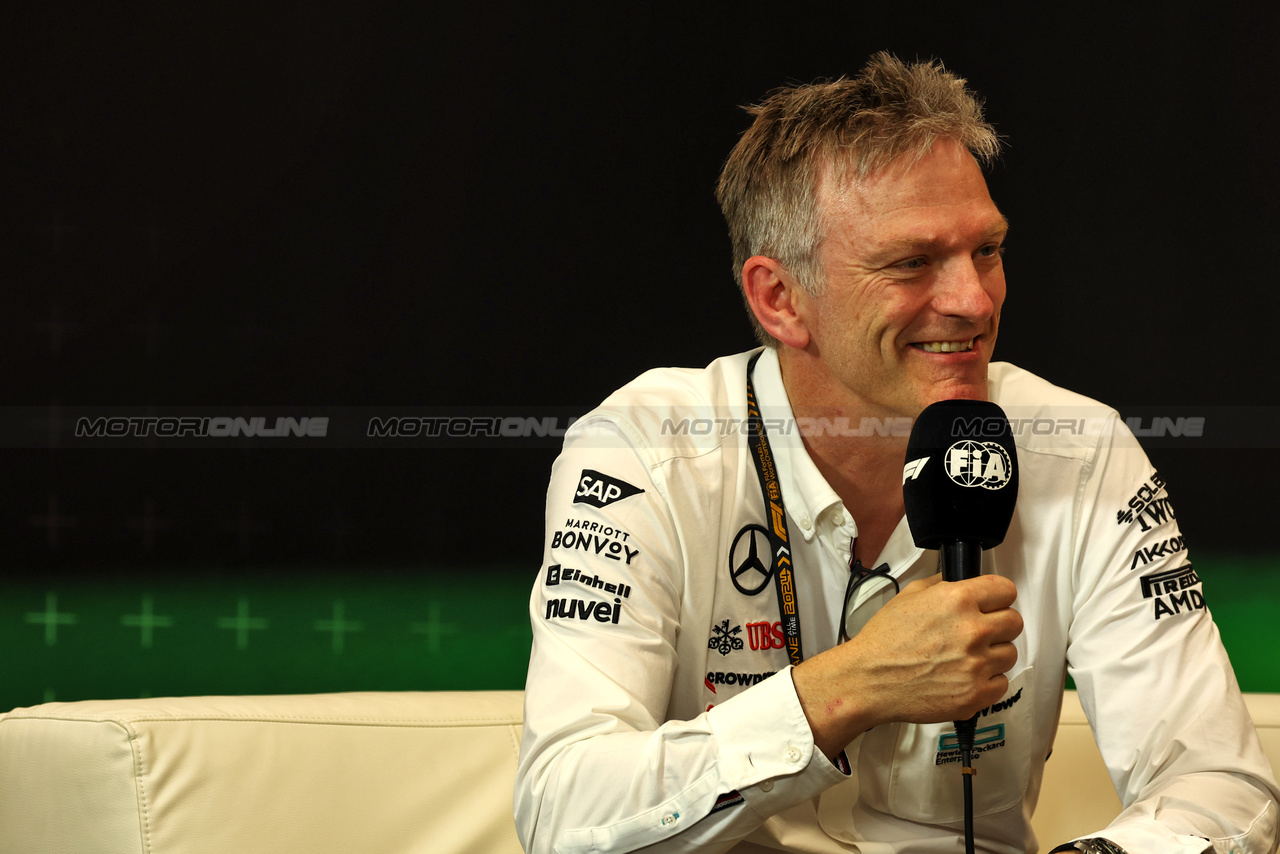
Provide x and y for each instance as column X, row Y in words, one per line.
column 938, row 651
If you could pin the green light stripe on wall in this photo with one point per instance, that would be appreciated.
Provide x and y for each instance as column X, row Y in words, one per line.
column 278, row 633
column 284, row 631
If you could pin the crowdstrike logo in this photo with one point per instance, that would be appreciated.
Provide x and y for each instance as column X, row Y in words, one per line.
column 721, row 677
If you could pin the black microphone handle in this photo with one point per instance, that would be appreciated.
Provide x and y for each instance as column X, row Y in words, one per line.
column 961, row 559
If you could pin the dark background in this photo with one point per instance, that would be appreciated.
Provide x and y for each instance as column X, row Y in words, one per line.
column 341, row 205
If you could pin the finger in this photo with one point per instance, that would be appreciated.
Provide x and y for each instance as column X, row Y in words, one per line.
column 1005, row 625
column 998, row 686
column 922, row 584
column 991, row 592
column 1003, row 657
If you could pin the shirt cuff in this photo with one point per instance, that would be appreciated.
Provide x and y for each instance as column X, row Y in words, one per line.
column 763, row 740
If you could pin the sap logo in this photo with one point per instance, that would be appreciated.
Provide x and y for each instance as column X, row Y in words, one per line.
column 599, row 489
column 984, row 464
column 576, row 609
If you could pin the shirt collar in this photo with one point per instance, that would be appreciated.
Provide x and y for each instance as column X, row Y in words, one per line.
column 805, row 492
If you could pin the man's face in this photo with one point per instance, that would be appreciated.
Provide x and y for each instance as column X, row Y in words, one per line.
column 914, row 285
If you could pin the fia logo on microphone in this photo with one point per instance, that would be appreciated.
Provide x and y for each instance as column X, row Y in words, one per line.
column 984, row 464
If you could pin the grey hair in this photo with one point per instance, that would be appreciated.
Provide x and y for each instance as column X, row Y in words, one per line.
column 768, row 189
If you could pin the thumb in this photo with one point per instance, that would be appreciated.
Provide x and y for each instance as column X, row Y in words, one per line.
column 923, row 584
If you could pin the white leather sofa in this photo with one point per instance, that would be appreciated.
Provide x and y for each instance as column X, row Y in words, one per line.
column 373, row 773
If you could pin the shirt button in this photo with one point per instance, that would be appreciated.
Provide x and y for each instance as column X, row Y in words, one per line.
column 766, row 786
column 837, row 519
column 793, row 754
column 806, row 522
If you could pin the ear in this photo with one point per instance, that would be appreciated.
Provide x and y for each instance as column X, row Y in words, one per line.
column 776, row 300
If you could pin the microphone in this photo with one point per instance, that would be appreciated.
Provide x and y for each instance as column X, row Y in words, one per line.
column 959, row 485
column 960, row 482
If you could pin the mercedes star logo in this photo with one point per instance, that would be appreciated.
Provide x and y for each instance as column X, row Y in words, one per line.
column 749, row 571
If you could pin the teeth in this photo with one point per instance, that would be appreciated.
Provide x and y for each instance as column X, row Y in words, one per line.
column 947, row 346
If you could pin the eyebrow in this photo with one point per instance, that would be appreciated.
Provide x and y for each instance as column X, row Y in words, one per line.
column 905, row 244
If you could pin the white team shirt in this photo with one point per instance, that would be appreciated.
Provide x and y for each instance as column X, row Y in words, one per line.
column 659, row 706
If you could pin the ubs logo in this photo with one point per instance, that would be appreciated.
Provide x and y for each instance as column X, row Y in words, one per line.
column 751, row 563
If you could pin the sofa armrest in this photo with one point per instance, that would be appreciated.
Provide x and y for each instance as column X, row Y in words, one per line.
column 369, row 772
column 1077, row 796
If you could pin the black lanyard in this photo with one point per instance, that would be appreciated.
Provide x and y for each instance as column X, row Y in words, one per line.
column 783, row 573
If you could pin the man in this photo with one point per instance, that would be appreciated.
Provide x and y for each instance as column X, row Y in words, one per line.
column 673, row 703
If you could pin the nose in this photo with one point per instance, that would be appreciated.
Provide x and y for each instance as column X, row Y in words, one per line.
column 966, row 292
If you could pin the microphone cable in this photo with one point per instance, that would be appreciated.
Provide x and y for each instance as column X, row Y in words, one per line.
column 965, row 735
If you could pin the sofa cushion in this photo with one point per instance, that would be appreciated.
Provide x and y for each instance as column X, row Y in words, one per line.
column 371, row 772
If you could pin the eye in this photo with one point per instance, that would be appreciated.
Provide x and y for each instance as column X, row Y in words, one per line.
column 917, row 263
column 991, row 250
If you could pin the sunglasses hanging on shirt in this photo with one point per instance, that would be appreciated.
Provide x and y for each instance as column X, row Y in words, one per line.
column 874, row 584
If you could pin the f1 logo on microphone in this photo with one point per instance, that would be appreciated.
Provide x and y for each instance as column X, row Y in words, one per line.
column 984, row 464
column 912, row 470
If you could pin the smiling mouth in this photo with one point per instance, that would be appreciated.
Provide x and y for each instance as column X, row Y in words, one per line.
column 945, row 346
